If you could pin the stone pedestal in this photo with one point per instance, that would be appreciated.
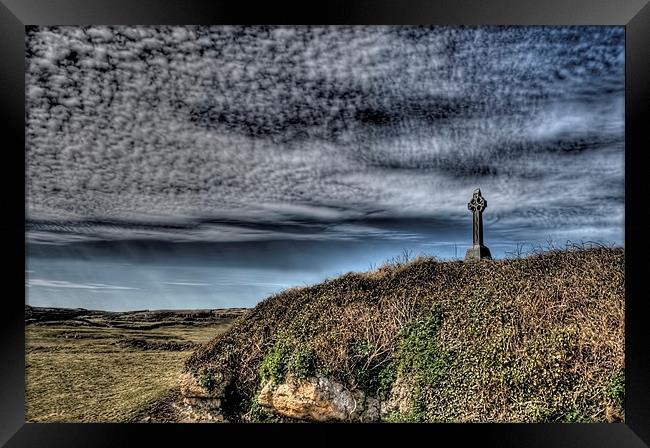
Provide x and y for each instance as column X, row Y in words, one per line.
column 478, row 252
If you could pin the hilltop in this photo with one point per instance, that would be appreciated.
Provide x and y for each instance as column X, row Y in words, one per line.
column 537, row 338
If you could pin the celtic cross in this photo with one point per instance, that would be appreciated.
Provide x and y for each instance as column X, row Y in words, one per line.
column 476, row 205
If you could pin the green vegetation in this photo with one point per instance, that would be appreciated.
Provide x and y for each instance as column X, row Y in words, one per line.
column 283, row 359
column 418, row 354
column 420, row 361
column 274, row 364
column 258, row 414
column 207, row 380
column 301, row 363
column 616, row 389
column 536, row 338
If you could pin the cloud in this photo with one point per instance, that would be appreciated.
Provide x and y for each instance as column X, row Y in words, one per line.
column 44, row 283
column 230, row 133
column 186, row 284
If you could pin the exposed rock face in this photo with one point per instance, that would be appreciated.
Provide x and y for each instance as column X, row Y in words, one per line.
column 206, row 404
column 191, row 388
column 314, row 398
column 318, row 399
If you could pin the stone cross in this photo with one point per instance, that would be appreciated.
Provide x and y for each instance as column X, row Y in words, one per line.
column 478, row 251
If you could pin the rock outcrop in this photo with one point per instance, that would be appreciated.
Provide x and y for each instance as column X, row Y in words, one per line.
column 314, row 399
column 205, row 403
column 318, row 399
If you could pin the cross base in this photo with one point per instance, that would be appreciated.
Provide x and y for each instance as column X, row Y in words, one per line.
column 478, row 252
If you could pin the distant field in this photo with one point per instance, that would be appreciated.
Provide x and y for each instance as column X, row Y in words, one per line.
column 110, row 367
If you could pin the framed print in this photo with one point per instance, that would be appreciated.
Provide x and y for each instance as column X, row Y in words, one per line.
column 370, row 218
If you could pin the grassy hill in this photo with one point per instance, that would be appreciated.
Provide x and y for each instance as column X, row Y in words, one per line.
column 531, row 339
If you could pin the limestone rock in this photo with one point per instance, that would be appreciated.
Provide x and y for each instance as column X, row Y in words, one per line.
column 319, row 399
column 203, row 404
column 191, row 388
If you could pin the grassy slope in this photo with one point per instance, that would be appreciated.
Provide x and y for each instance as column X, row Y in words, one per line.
column 532, row 339
column 91, row 374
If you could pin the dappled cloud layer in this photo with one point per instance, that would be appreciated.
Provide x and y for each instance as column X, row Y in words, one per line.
column 265, row 133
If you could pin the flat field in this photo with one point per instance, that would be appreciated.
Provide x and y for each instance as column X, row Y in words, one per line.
column 88, row 366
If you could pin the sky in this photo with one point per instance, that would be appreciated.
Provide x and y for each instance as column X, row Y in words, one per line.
column 207, row 167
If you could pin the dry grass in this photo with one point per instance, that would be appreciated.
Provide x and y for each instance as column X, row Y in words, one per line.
column 91, row 374
column 539, row 338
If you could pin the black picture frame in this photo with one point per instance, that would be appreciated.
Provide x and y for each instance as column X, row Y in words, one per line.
column 15, row 15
